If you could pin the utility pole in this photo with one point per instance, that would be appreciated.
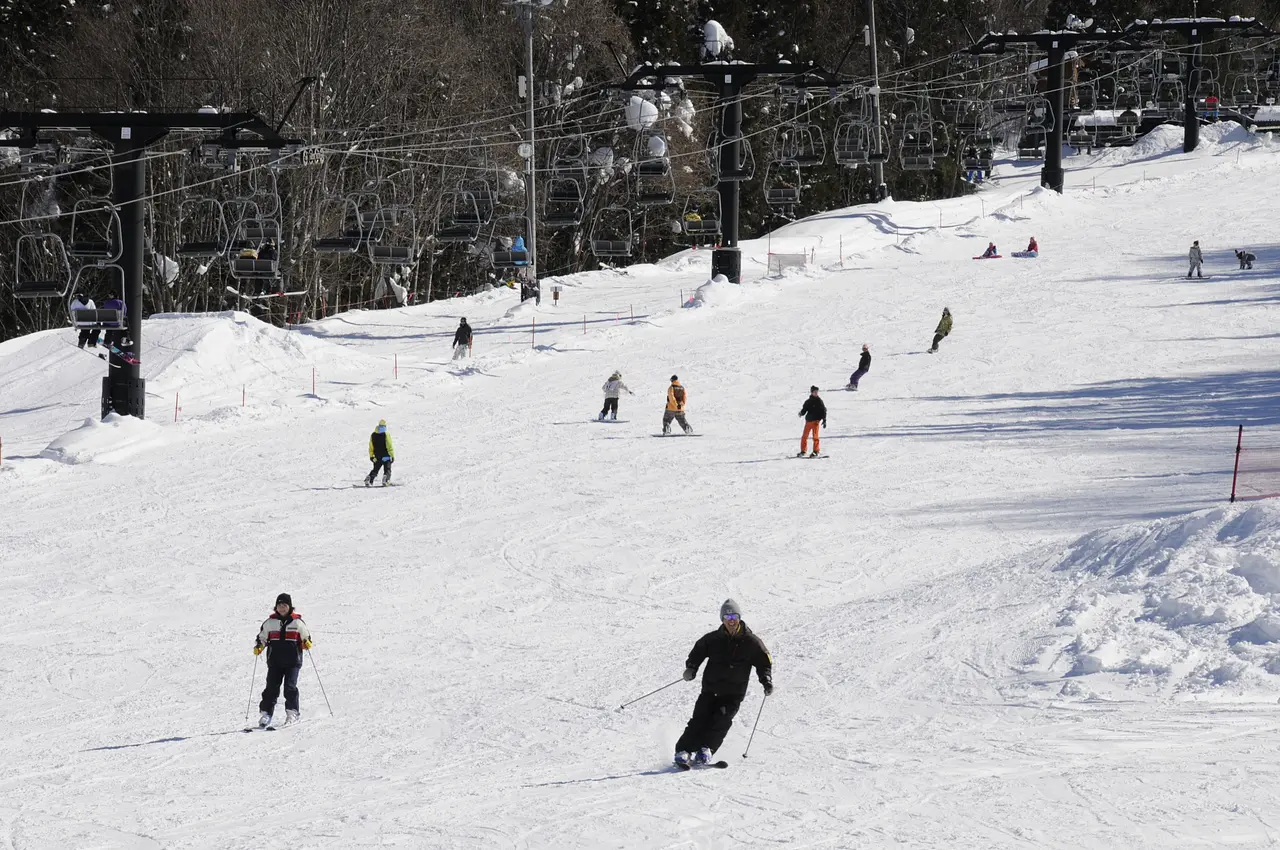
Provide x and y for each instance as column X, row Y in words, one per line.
column 877, row 161
column 528, row 149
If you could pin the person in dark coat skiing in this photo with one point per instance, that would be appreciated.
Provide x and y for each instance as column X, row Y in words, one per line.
column 942, row 330
column 730, row 652
column 814, row 412
column 284, row 637
column 382, row 453
column 864, row 366
column 462, row 340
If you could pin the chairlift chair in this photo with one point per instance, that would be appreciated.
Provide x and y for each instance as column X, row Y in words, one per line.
column 202, row 228
column 563, row 204
column 744, row 169
column 804, row 144
column 350, row 237
column 253, row 233
column 99, row 278
column 42, row 268
column 612, row 233
column 782, row 183
column 398, row 244
column 918, row 147
column 701, row 215
column 95, row 231
column 503, row 233
column 460, row 218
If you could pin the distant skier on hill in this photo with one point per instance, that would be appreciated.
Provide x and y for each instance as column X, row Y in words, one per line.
column 382, row 453
column 864, row 366
column 942, row 330
column 462, row 340
column 814, row 412
column 1246, row 259
column 612, row 389
column 676, row 400
column 730, row 652
column 1196, row 258
column 285, row 637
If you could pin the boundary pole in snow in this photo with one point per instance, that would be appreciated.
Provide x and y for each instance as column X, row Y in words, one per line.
column 395, row 365
column 313, row 380
column 175, row 407
column 1236, row 471
column 242, row 394
column 632, row 308
column 584, row 324
column 533, row 333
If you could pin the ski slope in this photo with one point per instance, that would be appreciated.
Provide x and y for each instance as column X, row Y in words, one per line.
column 1012, row 609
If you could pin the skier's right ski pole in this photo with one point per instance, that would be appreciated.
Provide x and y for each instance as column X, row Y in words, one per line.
column 651, row 693
column 753, row 727
column 249, row 707
column 320, row 683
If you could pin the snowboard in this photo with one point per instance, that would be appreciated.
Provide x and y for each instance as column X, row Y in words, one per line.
column 685, row 768
column 806, row 457
column 996, row 257
column 1025, row 255
column 374, row 486
column 677, row 435
column 610, row 421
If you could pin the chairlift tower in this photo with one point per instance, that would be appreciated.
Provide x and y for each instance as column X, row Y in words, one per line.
column 730, row 79
column 528, row 150
column 130, row 134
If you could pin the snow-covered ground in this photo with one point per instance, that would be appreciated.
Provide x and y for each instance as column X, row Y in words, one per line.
column 1011, row 609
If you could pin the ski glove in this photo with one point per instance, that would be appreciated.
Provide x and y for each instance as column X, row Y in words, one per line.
column 306, row 644
column 257, row 649
column 690, row 674
column 824, row 423
column 768, row 688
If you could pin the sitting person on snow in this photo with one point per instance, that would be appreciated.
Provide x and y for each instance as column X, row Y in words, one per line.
column 1032, row 247
column 991, row 251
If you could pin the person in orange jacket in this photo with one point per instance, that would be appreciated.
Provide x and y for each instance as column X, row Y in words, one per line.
column 677, row 398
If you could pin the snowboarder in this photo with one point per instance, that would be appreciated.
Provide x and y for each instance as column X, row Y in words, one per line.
column 1196, row 258
column 462, row 340
column 612, row 388
column 90, row 335
column 990, row 252
column 113, row 336
column 284, row 636
column 1245, row 257
column 730, row 652
column 382, row 453
column 676, row 399
column 268, row 251
column 942, row 330
column 813, row 411
column 1032, row 247
column 864, row 366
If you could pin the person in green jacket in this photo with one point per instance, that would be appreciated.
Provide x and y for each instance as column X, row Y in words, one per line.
column 944, row 328
column 382, row 453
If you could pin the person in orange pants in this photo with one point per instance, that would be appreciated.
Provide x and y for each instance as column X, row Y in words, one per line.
column 814, row 412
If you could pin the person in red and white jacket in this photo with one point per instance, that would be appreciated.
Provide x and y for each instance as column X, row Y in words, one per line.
column 285, row 637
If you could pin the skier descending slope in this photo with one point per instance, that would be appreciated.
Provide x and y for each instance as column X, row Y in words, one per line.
column 284, row 636
column 730, row 652
column 382, row 453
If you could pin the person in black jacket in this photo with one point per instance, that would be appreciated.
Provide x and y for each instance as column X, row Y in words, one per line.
column 382, row 453
column 730, row 652
column 864, row 366
column 462, row 340
column 813, row 411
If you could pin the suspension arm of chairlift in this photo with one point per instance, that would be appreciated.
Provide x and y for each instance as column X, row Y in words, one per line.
column 303, row 85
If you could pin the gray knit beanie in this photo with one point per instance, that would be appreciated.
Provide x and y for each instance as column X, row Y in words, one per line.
column 729, row 607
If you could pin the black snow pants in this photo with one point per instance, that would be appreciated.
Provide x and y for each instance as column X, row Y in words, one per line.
column 937, row 338
column 288, row 676
column 610, row 406
column 712, row 718
column 91, row 335
column 379, row 463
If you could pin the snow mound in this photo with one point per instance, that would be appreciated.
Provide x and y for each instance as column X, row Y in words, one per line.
column 1164, row 139
column 111, row 439
column 717, row 292
column 1189, row 604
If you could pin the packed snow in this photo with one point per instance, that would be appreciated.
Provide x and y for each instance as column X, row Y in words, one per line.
column 1012, row 609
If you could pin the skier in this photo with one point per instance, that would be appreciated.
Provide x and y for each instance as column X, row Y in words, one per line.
column 1196, row 258
column 382, row 453
column 612, row 388
column 284, row 636
column 1032, row 247
column 676, row 399
column 990, row 252
column 1245, row 257
column 90, row 335
column 942, row 330
column 813, row 411
column 462, row 340
column 864, row 366
column 730, row 651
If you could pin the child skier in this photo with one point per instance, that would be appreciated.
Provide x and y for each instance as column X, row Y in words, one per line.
column 676, row 398
column 284, row 636
column 813, row 411
column 462, row 340
column 864, row 366
column 730, row 652
column 1245, row 257
column 612, row 388
column 942, row 330
column 382, row 453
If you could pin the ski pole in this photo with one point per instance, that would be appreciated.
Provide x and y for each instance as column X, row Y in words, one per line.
column 249, row 707
column 651, row 693
column 320, row 683
column 753, row 727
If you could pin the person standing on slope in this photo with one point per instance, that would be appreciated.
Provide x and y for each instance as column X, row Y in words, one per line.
column 462, row 340
column 382, row 453
column 814, row 412
column 612, row 389
column 284, row 636
column 730, row 652
column 942, row 330
column 1196, row 258
column 676, row 400
column 864, row 366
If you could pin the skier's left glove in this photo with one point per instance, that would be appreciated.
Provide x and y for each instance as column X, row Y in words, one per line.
column 690, row 674
column 768, row 688
column 306, row 644
column 257, row 649
column 824, row 423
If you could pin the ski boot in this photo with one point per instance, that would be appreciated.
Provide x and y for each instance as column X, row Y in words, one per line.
column 600, row 418
column 800, row 453
column 291, row 716
column 703, row 756
column 682, row 759
column 386, row 480
column 264, row 720
column 813, row 454
column 368, row 481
